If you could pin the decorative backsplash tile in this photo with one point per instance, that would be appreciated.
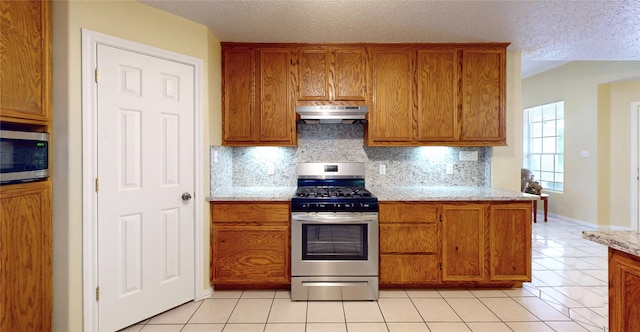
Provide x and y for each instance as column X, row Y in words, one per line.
column 405, row 166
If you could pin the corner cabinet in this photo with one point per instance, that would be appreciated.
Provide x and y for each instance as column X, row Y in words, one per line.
column 438, row 94
column 250, row 244
column 258, row 105
column 25, row 256
column 25, row 59
column 455, row 244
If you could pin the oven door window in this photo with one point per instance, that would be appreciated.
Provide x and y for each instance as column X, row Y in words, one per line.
column 334, row 242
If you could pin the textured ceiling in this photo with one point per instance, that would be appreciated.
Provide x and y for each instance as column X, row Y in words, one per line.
column 547, row 33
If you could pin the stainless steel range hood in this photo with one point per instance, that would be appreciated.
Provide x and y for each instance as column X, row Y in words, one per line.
column 332, row 113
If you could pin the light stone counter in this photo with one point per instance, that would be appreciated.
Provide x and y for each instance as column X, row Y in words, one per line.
column 252, row 194
column 625, row 241
column 448, row 193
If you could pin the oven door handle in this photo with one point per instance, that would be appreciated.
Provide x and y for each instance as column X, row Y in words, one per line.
column 335, row 219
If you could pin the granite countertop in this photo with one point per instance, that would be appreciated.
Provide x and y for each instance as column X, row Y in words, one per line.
column 417, row 193
column 252, row 194
column 448, row 193
column 626, row 241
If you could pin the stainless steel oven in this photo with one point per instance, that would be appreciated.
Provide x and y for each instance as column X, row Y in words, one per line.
column 334, row 236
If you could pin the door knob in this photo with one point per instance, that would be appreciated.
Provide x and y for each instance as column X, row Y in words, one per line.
column 186, row 196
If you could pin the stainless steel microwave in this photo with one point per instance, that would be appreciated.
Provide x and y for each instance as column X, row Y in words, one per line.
column 24, row 156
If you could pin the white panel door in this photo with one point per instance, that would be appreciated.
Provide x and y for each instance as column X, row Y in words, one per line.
column 145, row 165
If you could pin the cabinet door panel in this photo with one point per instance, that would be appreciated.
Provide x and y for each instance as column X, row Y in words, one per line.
column 392, row 112
column 250, row 212
column 25, row 257
column 405, row 212
column 350, row 74
column 409, row 238
column 251, row 255
column 408, row 269
column 238, row 86
column 463, row 242
column 624, row 292
column 313, row 73
column 510, row 242
column 275, row 105
column 437, row 95
column 25, row 60
column 482, row 95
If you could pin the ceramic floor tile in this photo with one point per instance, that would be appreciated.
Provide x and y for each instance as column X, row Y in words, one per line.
column 258, row 294
column 553, row 278
column 423, row 293
column 243, row 328
column 295, row 327
column 567, row 326
column 529, row 327
column 132, row 328
column 581, row 278
column 522, row 292
column 326, row 327
column 449, row 293
column 551, row 294
column 472, row 310
column 214, row 311
column 361, row 312
column 602, row 275
column 408, row 327
column 488, row 293
column 162, row 328
column 283, row 294
column 399, row 310
column 287, row 311
column 321, row 311
column 226, row 294
column 435, row 310
column 448, row 327
column 508, row 310
column 587, row 316
column 392, row 293
column 541, row 309
column 367, row 327
column 584, row 296
column 488, row 327
column 203, row 328
column 251, row 311
column 178, row 315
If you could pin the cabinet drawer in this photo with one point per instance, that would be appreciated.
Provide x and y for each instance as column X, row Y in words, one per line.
column 398, row 212
column 250, row 212
column 409, row 238
column 408, row 269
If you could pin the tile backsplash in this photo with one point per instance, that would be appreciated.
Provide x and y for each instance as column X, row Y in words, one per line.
column 405, row 166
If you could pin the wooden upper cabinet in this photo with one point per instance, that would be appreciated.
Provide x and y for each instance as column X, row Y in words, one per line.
column 258, row 107
column 275, row 104
column 25, row 61
column 332, row 74
column 391, row 115
column 238, row 95
column 437, row 97
column 483, row 96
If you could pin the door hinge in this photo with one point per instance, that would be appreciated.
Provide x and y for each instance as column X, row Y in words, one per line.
column 440, row 218
column 98, row 293
column 440, row 266
column 97, row 184
column 96, row 74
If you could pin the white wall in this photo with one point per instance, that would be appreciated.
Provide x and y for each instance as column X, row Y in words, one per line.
column 577, row 83
column 132, row 21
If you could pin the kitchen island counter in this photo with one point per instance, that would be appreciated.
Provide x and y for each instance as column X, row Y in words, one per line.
column 448, row 193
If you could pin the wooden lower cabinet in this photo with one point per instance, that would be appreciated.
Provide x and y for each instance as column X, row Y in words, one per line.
column 250, row 244
column 25, row 257
column 624, row 291
column 455, row 244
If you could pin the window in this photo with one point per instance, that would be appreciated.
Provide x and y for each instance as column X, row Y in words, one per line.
column 543, row 144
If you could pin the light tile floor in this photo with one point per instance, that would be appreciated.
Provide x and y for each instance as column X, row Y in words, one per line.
column 568, row 293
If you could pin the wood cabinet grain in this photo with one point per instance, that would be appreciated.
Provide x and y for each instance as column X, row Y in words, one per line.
column 510, row 241
column 25, row 61
column 463, row 240
column 25, row 257
column 624, row 291
column 250, row 244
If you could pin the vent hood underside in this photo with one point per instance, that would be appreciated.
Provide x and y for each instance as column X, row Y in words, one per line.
column 332, row 113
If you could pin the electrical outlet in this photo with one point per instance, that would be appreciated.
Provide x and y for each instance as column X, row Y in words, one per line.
column 449, row 169
column 382, row 170
column 216, row 158
column 271, row 168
